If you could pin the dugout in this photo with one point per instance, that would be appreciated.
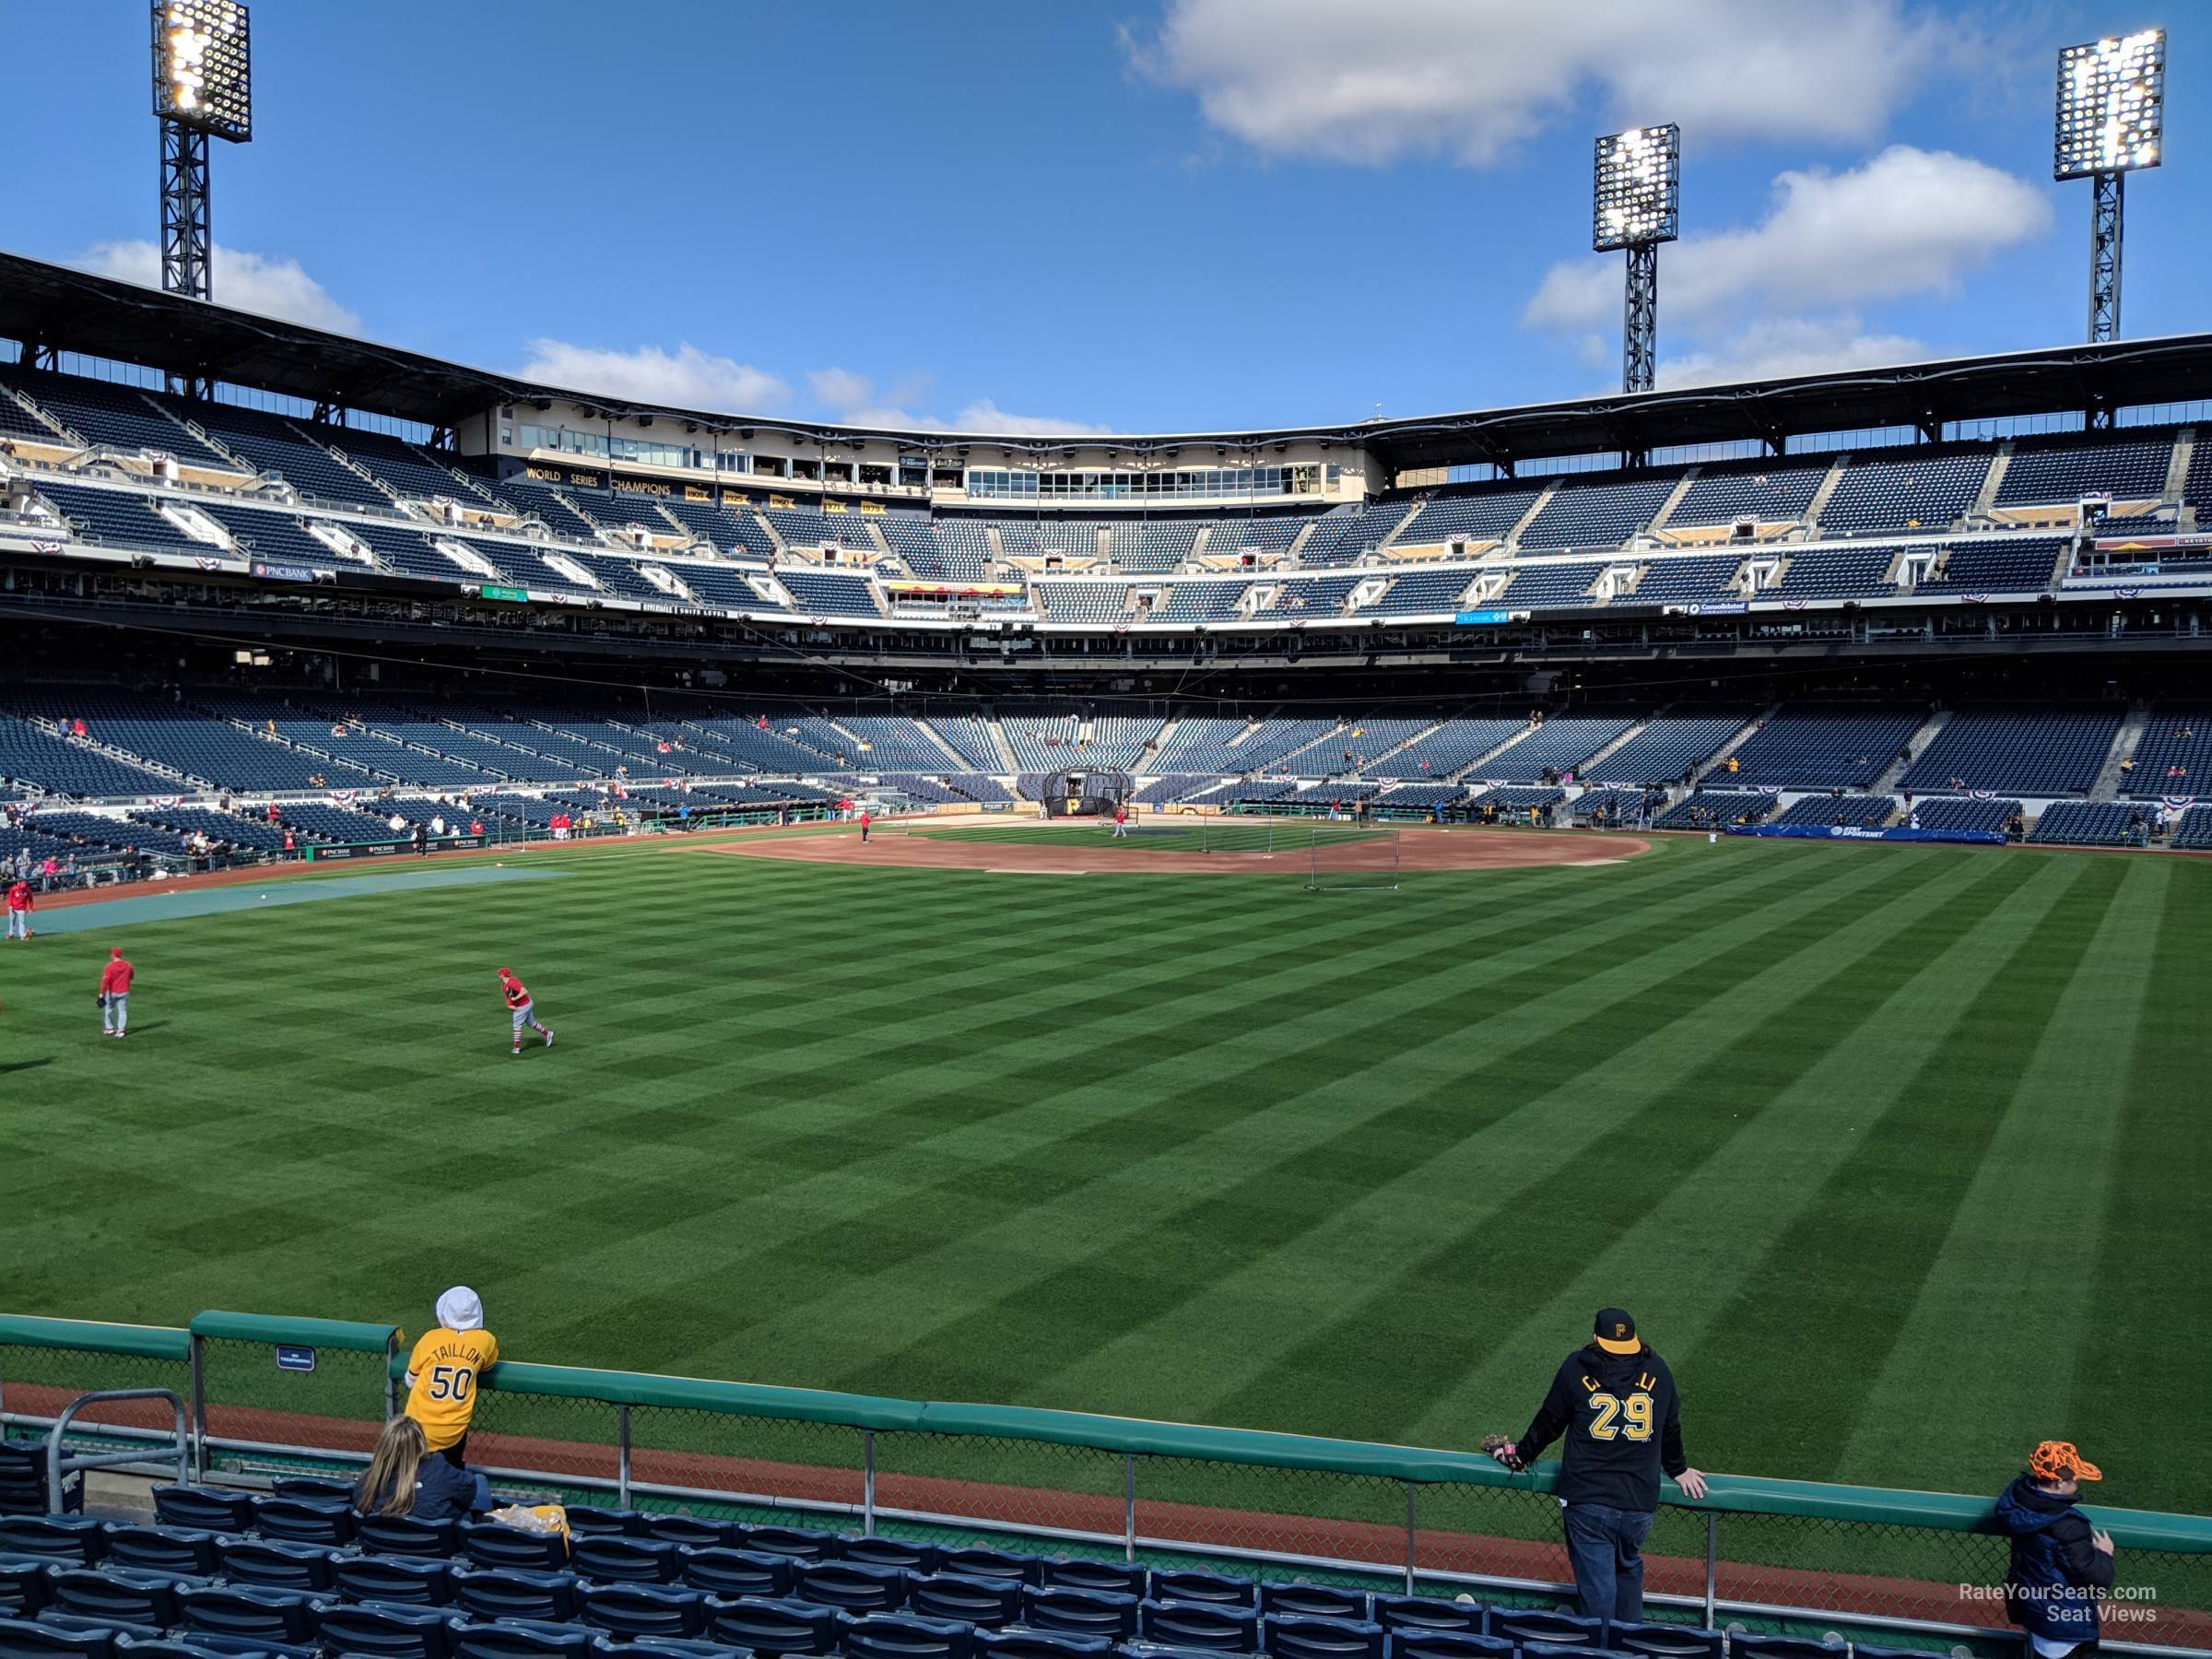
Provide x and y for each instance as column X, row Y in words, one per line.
column 1085, row 792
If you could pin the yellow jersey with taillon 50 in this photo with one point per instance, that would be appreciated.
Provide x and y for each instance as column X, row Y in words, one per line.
column 445, row 1366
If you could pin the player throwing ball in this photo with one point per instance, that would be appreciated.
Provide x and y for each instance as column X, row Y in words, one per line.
column 520, row 1005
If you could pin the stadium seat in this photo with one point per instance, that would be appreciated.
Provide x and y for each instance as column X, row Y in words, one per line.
column 403, row 1581
column 902, row 1636
column 515, row 1641
column 209, row 1641
column 894, row 1552
column 802, row 1544
column 1080, row 1612
column 297, row 1520
column 23, row 1639
column 1312, row 1601
column 513, row 1592
column 279, row 1566
column 1212, row 1587
column 1414, row 1641
column 735, row 1572
column 631, row 1610
column 986, row 1603
column 691, row 1531
column 1204, row 1626
column 1560, row 1650
column 248, row 1611
column 776, row 1627
column 162, row 1647
column 585, row 1520
column 1780, row 1647
column 1114, row 1577
column 994, row 1564
column 23, row 1581
column 1664, row 1641
column 380, row 1629
column 204, row 1509
column 1298, row 1636
column 616, row 1557
column 1429, row 1613
column 166, row 1550
column 404, row 1536
column 1038, row 1644
column 488, row 1543
column 51, row 1537
column 1526, row 1624
column 853, row 1588
column 661, row 1648
column 313, row 1489
column 23, row 1472
column 114, row 1594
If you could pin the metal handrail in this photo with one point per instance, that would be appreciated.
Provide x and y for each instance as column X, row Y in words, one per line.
column 56, row 1466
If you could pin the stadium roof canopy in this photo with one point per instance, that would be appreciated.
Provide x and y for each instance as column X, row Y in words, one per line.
column 54, row 307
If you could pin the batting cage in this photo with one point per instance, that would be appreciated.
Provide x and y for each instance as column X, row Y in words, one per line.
column 1084, row 793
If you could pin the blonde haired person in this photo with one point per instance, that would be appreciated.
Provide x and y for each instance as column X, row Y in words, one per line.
column 403, row 1478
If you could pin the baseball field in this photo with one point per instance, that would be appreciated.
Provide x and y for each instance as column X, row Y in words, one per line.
column 1900, row 1155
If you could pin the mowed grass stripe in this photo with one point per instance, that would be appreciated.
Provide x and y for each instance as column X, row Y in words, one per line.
column 1490, row 1274
column 1749, row 1135
column 1853, row 1260
column 2019, row 1262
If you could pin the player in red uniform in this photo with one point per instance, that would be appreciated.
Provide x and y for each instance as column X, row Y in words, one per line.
column 115, row 992
column 19, row 905
column 520, row 1005
column 864, row 822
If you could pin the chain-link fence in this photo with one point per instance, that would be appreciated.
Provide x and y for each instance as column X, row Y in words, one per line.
column 46, row 1363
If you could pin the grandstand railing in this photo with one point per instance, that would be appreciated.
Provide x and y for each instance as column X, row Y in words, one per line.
column 273, row 1394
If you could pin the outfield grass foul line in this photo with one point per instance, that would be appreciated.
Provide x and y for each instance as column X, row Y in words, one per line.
column 217, row 901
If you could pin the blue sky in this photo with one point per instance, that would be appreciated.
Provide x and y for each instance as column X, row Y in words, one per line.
column 1163, row 215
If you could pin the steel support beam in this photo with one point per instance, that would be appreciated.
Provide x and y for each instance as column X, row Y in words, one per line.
column 1640, row 328
column 2105, row 205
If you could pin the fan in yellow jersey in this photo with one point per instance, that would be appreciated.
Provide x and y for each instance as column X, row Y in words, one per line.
column 443, row 1371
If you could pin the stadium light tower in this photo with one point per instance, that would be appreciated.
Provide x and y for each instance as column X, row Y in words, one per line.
column 1638, row 205
column 2111, row 113
column 203, row 88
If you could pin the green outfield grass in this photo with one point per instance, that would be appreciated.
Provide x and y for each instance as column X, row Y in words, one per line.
column 1899, row 1154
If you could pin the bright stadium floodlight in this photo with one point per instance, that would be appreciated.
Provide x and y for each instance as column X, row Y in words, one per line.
column 2110, row 121
column 1636, row 206
column 203, row 88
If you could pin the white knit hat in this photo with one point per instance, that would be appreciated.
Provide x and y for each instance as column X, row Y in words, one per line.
column 458, row 1310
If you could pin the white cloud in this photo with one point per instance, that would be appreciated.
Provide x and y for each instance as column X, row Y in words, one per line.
column 1777, row 347
column 983, row 416
column 251, row 282
column 1472, row 79
column 852, row 400
column 687, row 377
column 1908, row 221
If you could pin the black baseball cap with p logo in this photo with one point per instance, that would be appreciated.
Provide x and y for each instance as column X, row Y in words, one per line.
column 1615, row 1332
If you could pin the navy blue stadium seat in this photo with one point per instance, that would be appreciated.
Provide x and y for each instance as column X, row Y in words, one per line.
column 902, row 1636
column 1038, row 1644
column 488, row 1543
column 169, row 1549
column 160, row 1647
column 1183, row 1586
column 204, row 1509
column 312, row 1489
column 247, row 1610
column 23, row 1639
column 380, row 1629
column 984, row 1602
column 1780, row 1647
column 275, row 1565
column 1526, row 1624
column 23, row 1482
column 404, row 1536
column 659, row 1648
column 209, row 1641
column 994, row 1564
column 296, row 1521
column 23, row 1585
column 511, row 1593
column 53, row 1618
column 111, row 1594
column 618, row 1558
column 801, row 1543
column 853, row 1586
column 516, row 1639
column 774, row 1627
column 1205, row 1626
column 1558, row 1650
column 624, row 1522
column 51, row 1537
column 642, row 1610
column 1080, row 1612
column 691, row 1532
column 1116, row 1577
column 1427, row 1613
column 408, row 1581
column 1414, row 1641
column 1300, row 1636
column 894, row 1552
column 1312, row 1601
column 1664, row 1641
column 735, row 1572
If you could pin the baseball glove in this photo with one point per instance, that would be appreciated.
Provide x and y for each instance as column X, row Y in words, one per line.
column 1495, row 1444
